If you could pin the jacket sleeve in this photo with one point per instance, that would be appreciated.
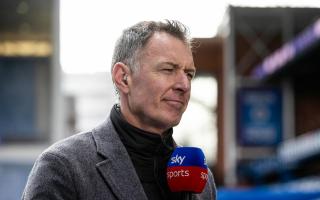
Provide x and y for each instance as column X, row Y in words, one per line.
column 50, row 178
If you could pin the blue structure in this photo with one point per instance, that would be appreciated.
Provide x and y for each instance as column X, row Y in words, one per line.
column 305, row 189
column 13, row 178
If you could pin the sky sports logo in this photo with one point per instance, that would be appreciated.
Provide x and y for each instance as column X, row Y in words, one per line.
column 177, row 169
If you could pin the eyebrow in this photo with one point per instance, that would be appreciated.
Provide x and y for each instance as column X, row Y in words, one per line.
column 171, row 63
column 193, row 69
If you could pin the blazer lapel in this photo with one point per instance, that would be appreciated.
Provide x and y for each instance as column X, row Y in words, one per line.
column 117, row 169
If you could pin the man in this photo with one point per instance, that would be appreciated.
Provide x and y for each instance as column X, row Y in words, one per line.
column 126, row 157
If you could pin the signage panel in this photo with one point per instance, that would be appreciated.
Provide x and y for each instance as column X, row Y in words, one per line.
column 259, row 116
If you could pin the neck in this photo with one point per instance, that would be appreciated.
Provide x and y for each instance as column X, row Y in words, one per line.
column 139, row 123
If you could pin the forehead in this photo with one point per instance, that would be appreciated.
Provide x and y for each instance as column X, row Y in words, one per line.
column 164, row 39
column 165, row 46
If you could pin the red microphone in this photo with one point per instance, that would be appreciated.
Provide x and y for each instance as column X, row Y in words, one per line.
column 187, row 170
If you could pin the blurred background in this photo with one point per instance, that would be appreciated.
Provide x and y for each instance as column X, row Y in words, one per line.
column 255, row 104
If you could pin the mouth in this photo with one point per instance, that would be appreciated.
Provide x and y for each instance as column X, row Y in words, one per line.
column 176, row 103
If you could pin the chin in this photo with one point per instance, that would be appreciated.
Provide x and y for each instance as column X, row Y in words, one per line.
column 175, row 122
column 172, row 119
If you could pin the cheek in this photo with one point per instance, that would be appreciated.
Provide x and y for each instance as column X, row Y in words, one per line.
column 146, row 92
column 150, row 91
column 153, row 87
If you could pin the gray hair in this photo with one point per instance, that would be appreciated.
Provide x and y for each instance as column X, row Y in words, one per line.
column 134, row 39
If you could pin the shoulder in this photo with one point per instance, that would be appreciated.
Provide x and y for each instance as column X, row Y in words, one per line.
column 83, row 145
column 71, row 146
column 53, row 173
column 68, row 152
column 65, row 166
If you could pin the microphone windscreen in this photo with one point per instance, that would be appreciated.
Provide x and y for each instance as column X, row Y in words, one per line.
column 187, row 170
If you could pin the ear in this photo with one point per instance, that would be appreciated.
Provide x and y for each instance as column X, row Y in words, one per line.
column 120, row 74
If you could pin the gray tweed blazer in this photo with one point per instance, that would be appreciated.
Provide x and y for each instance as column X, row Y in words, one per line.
column 90, row 166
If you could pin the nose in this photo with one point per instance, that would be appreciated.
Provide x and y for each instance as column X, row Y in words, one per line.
column 182, row 83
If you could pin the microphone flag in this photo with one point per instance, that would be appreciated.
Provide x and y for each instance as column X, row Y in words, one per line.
column 187, row 170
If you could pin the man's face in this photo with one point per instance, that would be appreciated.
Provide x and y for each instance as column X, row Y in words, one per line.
column 160, row 89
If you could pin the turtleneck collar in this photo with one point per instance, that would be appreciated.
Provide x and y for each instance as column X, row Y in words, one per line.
column 144, row 142
column 141, row 145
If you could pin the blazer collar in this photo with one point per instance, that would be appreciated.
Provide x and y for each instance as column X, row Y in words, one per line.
column 117, row 168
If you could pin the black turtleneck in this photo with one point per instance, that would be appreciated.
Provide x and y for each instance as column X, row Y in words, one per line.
column 149, row 153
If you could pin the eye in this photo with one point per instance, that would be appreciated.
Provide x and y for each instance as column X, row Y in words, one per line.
column 168, row 69
column 190, row 75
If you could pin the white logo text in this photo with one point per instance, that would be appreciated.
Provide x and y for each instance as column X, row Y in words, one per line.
column 177, row 159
